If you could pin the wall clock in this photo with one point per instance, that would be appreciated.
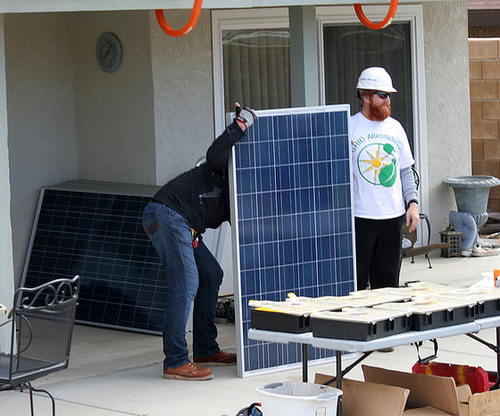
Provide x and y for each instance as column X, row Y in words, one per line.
column 109, row 52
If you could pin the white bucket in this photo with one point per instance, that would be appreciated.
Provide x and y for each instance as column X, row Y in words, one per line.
column 299, row 399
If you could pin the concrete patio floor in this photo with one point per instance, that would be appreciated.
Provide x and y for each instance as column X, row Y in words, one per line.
column 116, row 372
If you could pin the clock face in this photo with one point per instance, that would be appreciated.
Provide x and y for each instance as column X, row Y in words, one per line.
column 109, row 52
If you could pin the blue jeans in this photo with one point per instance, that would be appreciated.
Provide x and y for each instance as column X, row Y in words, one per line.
column 192, row 275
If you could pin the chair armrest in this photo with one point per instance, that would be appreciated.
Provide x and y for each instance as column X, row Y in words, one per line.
column 8, row 321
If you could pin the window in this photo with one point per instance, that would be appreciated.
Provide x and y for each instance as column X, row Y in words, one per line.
column 251, row 60
column 348, row 47
column 256, row 67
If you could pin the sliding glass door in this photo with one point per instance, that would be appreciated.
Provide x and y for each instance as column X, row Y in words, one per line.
column 256, row 66
column 348, row 49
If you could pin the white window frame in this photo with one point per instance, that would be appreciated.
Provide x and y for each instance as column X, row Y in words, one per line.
column 405, row 13
column 274, row 18
column 278, row 18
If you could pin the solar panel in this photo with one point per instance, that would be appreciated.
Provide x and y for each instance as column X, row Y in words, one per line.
column 95, row 230
column 292, row 207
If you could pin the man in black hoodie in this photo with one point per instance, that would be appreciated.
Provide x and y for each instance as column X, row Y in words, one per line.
column 174, row 220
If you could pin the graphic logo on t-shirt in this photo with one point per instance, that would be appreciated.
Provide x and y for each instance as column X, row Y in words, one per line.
column 377, row 164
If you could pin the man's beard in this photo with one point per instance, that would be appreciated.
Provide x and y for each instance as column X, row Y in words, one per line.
column 379, row 112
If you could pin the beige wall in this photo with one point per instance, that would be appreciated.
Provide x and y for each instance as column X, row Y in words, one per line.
column 114, row 111
column 69, row 120
column 153, row 118
column 447, row 93
column 39, row 53
column 6, row 281
column 183, row 94
column 485, row 111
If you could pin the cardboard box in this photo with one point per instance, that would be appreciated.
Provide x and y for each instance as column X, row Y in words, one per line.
column 429, row 395
column 480, row 404
column 395, row 393
column 360, row 398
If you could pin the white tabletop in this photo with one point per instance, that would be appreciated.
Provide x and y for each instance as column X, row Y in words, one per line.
column 385, row 342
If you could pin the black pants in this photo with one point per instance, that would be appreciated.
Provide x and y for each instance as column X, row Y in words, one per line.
column 378, row 252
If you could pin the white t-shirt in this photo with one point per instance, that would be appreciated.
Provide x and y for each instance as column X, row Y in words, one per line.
column 380, row 149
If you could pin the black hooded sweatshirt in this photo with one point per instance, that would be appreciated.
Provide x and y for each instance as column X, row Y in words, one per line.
column 201, row 195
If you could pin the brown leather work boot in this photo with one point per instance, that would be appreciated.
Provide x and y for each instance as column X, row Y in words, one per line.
column 221, row 358
column 188, row 371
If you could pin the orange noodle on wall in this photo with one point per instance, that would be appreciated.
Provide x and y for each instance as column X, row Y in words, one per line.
column 193, row 19
column 381, row 25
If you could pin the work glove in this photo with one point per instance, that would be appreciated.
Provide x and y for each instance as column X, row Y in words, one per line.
column 251, row 410
column 246, row 115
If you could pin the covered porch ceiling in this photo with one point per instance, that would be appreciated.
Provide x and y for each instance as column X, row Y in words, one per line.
column 30, row 6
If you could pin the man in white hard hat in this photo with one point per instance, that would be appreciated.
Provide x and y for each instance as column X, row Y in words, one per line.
column 385, row 193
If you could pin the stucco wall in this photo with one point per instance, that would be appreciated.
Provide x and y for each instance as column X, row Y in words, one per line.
column 7, row 281
column 114, row 111
column 153, row 118
column 182, row 77
column 448, row 111
column 41, row 115
column 69, row 120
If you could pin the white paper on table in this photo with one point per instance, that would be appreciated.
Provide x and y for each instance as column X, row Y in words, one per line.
column 486, row 281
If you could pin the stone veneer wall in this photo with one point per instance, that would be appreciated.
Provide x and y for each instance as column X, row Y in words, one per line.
column 484, row 56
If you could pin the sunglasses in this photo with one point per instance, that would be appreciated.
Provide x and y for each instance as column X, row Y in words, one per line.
column 383, row 95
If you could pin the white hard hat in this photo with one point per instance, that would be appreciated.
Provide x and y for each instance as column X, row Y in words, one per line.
column 375, row 78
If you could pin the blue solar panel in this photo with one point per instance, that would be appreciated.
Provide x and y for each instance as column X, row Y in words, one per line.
column 95, row 231
column 292, row 207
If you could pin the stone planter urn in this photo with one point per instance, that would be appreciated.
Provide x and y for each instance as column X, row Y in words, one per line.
column 471, row 194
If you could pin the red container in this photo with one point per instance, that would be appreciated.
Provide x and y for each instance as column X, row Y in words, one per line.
column 476, row 377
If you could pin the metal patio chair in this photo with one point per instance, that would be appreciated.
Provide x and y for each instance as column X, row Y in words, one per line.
column 42, row 327
column 410, row 250
column 409, row 239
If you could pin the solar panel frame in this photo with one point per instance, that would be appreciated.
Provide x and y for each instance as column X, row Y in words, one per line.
column 293, row 221
column 94, row 229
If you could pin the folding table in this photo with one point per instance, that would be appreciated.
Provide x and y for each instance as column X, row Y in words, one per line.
column 367, row 347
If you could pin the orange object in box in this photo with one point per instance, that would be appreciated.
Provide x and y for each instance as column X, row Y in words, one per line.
column 476, row 377
column 496, row 273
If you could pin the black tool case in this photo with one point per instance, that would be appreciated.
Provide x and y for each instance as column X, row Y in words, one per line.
column 279, row 321
column 422, row 321
column 291, row 315
column 359, row 324
column 488, row 299
column 430, row 312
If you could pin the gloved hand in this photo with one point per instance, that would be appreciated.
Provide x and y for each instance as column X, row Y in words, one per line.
column 246, row 115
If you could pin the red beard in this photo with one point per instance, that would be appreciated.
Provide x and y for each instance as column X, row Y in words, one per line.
column 379, row 112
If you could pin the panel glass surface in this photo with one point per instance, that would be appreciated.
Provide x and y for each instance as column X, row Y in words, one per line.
column 99, row 236
column 292, row 206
